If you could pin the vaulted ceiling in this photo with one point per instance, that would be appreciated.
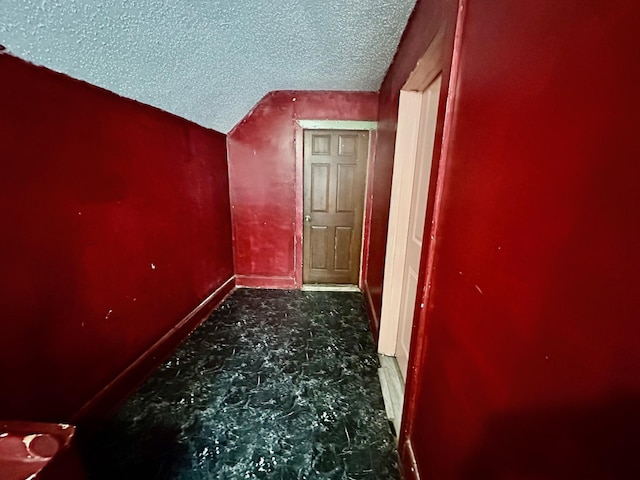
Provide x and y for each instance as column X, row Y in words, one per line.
column 209, row 61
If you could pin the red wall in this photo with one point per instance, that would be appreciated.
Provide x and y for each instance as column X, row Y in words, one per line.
column 116, row 226
column 529, row 364
column 265, row 175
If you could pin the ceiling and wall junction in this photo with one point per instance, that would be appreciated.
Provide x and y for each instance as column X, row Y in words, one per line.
column 209, row 61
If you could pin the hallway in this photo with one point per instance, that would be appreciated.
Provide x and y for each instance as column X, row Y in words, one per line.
column 274, row 385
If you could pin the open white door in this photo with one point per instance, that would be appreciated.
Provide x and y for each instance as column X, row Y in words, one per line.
column 415, row 140
column 417, row 212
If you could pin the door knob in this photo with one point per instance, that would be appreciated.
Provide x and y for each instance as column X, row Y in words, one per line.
column 307, row 218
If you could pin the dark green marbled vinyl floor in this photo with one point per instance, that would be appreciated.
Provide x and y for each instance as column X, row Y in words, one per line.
column 274, row 385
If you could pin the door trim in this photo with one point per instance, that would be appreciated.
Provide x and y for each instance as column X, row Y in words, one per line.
column 427, row 69
column 419, row 342
column 337, row 125
column 411, row 96
column 300, row 126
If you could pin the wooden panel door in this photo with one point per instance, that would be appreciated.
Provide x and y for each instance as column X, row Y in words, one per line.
column 420, row 191
column 335, row 163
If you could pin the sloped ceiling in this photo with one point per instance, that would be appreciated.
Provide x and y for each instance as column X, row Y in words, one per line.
column 209, row 61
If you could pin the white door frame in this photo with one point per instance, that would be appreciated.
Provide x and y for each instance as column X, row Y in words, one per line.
column 412, row 101
column 310, row 124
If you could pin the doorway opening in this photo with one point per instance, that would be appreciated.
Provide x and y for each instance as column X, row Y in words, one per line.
column 410, row 191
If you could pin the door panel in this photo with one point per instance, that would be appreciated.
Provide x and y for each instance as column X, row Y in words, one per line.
column 320, row 187
column 346, row 181
column 318, row 246
column 343, row 248
column 334, row 179
column 321, row 144
column 419, row 194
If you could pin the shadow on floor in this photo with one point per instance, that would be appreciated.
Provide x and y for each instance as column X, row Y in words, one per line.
column 274, row 385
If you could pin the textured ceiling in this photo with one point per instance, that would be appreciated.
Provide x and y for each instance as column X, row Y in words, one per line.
column 209, row 61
